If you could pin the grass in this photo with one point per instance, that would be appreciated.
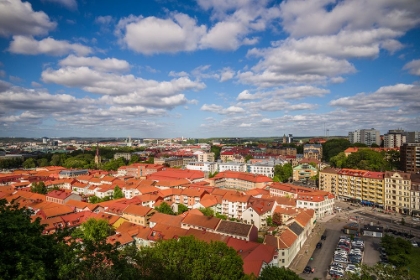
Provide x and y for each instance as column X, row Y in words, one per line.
column 414, row 261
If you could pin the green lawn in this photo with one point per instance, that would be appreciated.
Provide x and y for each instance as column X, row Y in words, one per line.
column 414, row 266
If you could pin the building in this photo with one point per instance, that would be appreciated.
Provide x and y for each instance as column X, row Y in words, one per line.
column 397, row 191
column 265, row 168
column 126, row 156
column 206, row 167
column 312, row 151
column 415, row 194
column 413, row 137
column 394, row 138
column 61, row 197
column 231, row 166
column 410, row 157
column 202, row 156
column 240, row 180
column 304, row 172
column 137, row 214
column 365, row 136
column 321, row 202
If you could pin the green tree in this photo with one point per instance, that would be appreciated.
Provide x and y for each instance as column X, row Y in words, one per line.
column 339, row 160
column 283, row 172
column 25, row 252
column 118, row 193
column 216, row 150
column 39, row 187
column 182, row 208
column 188, row 258
column 95, row 230
column 333, row 147
column 248, row 157
column 271, row 272
column 134, row 159
column 165, row 209
column 29, row 163
column 42, row 162
column 208, row 212
column 380, row 272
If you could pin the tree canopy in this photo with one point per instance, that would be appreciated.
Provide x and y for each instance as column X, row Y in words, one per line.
column 273, row 272
column 39, row 187
column 367, row 159
column 333, row 147
column 282, row 173
column 188, row 258
column 165, row 209
column 118, row 193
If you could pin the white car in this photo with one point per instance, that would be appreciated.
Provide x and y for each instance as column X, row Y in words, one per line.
column 339, row 265
column 351, row 268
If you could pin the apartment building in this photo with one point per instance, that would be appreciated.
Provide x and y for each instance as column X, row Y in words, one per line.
column 303, row 172
column 363, row 186
column 394, row 138
column 415, row 194
column 207, row 167
column 264, row 167
column 365, row 136
column 397, row 191
column 202, row 156
column 231, row 166
column 240, row 181
column 410, row 157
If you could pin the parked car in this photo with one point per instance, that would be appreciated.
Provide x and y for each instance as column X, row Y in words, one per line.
column 414, row 243
column 319, row 245
column 339, row 259
column 339, row 265
column 323, row 237
column 351, row 268
column 308, row 269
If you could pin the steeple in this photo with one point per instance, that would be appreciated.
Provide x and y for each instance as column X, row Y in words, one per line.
column 97, row 156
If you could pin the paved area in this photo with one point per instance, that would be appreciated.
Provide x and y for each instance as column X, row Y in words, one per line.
column 320, row 259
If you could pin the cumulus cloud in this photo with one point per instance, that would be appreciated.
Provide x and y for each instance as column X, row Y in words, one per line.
column 153, row 35
column 69, row 4
column 48, row 46
column 324, row 17
column 105, row 65
column 413, row 67
column 106, row 20
column 95, row 81
column 404, row 97
column 18, row 18
column 226, row 74
column 222, row 111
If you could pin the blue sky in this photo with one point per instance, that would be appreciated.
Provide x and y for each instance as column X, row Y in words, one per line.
column 208, row 68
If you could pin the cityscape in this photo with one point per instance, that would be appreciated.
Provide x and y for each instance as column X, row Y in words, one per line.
column 210, row 139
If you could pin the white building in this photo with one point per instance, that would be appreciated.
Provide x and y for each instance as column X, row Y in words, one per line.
column 321, row 202
column 204, row 156
column 365, row 136
column 231, row 166
column 394, row 138
column 264, row 167
column 210, row 167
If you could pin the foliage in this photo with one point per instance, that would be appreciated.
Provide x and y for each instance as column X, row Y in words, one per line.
column 182, row 208
column 208, row 212
column 397, row 250
column 216, row 150
column 94, row 199
column 283, row 172
column 277, row 219
column 271, row 272
column 367, row 159
column 211, row 175
column 248, row 157
column 221, row 216
column 58, row 159
column 10, row 163
column 150, row 160
column 165, row 209
column 380, row 272
column 134, row 159
column 39, row 187
column 42, row 162
column 333, row 147
column 114, row 164
column 25, row 252
column 118, row 193
column 270, row 221
column 29, row 163
column 94, row 230
column 188, row 258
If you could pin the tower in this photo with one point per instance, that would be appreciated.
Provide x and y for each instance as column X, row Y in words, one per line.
column 97, row 156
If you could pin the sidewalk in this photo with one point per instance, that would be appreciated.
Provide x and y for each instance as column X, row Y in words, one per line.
column 305, row 253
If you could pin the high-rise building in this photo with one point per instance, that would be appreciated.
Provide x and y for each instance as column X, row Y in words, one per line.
column 413, row 137
column 394, row 138
column 410, row 157
column 365, row 136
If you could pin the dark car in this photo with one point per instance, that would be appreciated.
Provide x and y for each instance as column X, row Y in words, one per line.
column 319, row 245
column 323, row 237
column 308, row 269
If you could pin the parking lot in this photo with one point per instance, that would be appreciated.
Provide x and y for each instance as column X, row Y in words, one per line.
column 322, row 257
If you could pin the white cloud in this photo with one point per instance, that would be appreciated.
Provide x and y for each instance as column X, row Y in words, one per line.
column 94, row 81
column 153, row 35
column 403, row 97
column 245, row 125
column 18, row 18
column 106, row 20
column 413, row 67
column 224, row 36
column 48, row 46
column 226, row 74
column 35, row 84
column 69, row 4
column 104, row 65
column 246, row 95
column 222, row 111
column 325, row 17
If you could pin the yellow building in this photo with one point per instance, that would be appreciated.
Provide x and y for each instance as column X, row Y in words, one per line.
column 397, row 191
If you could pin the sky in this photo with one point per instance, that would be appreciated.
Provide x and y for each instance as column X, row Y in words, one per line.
column 208, row 68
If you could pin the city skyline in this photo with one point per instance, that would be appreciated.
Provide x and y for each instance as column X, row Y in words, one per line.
column 208, row 68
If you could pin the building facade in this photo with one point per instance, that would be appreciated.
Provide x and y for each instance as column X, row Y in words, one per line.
column 410, row 157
